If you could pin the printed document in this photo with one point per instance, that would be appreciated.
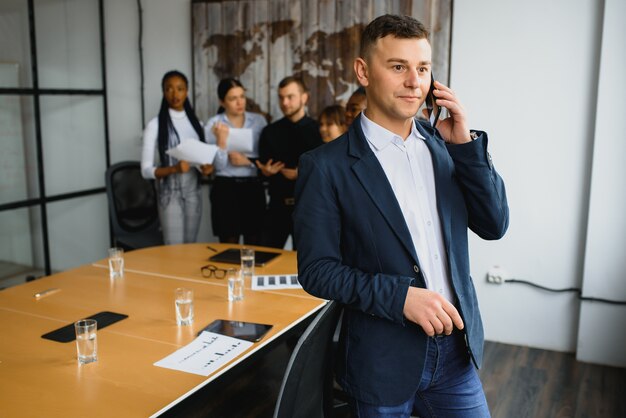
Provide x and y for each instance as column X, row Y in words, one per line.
column 240, row 139
column 194, row 151
column 205, row 354
column 277, row 281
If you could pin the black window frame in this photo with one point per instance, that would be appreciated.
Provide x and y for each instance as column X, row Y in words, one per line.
column 35, row 92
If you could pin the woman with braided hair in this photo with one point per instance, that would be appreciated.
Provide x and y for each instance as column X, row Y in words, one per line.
column 178, row 185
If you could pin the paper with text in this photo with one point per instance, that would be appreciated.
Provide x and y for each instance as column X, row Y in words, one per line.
column 194, row 152
column 205, row 354
column 278, row 281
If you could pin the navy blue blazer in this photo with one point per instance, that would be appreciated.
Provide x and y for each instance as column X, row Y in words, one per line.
column 355, row 247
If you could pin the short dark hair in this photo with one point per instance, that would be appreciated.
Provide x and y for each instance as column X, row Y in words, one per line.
column 293, row 79
column 403, row 27
column 335, row 114
column 225, row 85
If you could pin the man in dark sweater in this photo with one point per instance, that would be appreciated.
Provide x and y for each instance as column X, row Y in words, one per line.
column 280, row 147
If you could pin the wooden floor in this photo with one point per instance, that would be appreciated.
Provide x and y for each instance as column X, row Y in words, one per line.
column 524, row 382
column 519, row 382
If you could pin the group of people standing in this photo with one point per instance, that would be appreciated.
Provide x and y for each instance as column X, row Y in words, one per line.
column 238, row 200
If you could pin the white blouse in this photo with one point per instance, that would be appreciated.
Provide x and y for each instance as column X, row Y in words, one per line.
column 150, row 153
column 223, row 167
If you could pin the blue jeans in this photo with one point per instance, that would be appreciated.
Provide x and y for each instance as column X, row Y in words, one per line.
column 450, row 386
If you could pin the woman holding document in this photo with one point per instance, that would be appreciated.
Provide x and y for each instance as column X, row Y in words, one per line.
column 237, row 195
column 178, row 186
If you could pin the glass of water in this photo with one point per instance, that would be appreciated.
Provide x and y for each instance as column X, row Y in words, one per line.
column 235, row 285
column 86, row 340
column 247, row 264
column 116, row 263
column 184, row 306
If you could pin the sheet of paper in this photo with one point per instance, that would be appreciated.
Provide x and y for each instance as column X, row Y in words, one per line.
column 278, row 281
column 205, row 354
column 240, row 139
column 194, row 152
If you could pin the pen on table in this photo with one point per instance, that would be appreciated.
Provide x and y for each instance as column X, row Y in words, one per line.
column 212, row 249
column 46, row 292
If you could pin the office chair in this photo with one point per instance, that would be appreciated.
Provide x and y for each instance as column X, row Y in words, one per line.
column 307, row 387
column 132, row 207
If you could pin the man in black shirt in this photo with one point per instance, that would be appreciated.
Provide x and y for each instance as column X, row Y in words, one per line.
column 280, row 147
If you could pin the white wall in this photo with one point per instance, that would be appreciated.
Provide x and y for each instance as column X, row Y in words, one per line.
column 528, row 78
column 602, row 335
column 527, row 73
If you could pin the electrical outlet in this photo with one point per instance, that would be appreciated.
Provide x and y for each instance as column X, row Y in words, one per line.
column 496, row 275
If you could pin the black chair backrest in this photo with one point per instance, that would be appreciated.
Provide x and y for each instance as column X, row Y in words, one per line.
column 306, row 390
column 133, row 198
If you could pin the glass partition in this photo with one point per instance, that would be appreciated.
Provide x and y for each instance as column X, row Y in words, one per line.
column 53, row 137
column 68, row 44
column 15, row 44
column 20, row 252
column 79, row 231
column 73, row 143
column 18, row 155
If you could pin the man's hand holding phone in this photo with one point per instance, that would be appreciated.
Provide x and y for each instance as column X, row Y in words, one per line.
column 453, row 129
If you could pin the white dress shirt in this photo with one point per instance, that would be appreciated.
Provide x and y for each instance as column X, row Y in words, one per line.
column 409, row 168
column 150, row 153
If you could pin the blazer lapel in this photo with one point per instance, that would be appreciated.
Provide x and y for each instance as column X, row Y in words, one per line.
column 374, row 180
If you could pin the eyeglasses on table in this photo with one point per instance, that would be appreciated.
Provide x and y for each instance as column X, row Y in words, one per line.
column 211, row 270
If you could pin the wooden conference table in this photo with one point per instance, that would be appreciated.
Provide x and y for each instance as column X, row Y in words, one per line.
column 40, row 377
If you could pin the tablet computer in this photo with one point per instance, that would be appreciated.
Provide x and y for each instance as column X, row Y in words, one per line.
column 248, row 331
column 233, row 256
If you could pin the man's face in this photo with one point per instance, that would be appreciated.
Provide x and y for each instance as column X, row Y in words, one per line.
column 396, row 75
column 292, row 101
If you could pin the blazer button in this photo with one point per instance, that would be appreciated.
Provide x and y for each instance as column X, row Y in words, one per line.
column 417, row 269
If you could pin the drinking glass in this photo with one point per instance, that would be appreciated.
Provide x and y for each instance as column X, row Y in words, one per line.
column 235, row 285
column 116, row 263
column 86, row 340
column 184, row 306
column 247, row 264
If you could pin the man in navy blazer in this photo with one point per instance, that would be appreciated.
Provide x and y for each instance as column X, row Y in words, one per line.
column 381, row 222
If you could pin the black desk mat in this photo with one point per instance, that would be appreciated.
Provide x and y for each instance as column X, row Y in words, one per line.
column 67, row 334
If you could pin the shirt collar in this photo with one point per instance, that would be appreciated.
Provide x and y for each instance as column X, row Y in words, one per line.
column 177, row 114
column 380, row 137
column 225, row 119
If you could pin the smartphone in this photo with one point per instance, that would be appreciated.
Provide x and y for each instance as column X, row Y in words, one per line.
column 248, row 331
column 434, row 111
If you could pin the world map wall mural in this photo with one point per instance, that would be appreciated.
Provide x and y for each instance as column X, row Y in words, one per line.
column 262, row 41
